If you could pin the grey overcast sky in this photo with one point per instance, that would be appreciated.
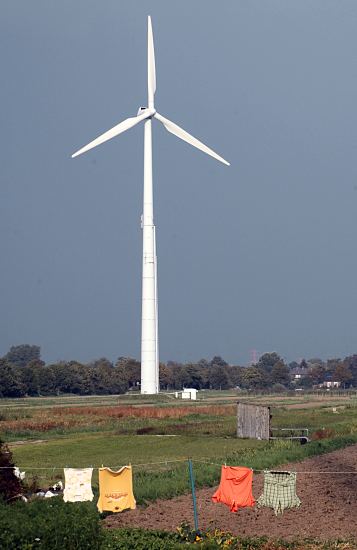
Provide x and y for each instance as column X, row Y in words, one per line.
column 261, row 255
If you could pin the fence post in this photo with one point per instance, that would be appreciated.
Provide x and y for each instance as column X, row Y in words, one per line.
column 192, row 479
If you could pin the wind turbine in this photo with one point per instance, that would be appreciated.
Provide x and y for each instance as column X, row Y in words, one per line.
column 149, row 319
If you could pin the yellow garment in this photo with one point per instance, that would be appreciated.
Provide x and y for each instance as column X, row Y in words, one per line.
column 116, row 490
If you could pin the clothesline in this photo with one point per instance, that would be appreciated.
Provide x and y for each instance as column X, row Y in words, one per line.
column 273, row 470
column 323, row 472
column 162, row 462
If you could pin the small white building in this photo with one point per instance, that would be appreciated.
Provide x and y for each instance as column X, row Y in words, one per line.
column 187, row 393
column 331, row 384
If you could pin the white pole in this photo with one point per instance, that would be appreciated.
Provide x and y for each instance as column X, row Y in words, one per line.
column 157, row 320
column 149, row 358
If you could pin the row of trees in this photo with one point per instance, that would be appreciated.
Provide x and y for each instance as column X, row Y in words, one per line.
column 22, row 372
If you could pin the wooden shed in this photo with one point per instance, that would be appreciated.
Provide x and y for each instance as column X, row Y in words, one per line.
column 253, row 421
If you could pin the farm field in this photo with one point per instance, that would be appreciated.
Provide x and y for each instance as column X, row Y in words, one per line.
column 158, row 435
column 163, row 399
column 43, row 419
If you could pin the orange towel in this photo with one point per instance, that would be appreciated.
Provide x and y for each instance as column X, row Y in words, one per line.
column 235, row 488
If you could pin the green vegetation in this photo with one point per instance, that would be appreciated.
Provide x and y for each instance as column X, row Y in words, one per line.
column 50, row 525
column 139, row 539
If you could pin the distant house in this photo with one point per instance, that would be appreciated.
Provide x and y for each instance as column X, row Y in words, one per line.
column 298, row 373
column 330, row 384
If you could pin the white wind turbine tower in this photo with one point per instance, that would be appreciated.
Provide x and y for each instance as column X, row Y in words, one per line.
column 149, row 323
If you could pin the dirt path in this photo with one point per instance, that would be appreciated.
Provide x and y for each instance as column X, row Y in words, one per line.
column 328, row 505
column 26, row 442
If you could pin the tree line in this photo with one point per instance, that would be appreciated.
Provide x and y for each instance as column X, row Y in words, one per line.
column 23, row 373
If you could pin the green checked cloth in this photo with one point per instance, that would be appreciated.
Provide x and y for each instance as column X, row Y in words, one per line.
column 279, row 491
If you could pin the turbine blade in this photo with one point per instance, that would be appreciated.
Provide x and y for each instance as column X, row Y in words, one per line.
column 118, row 129
column 151, row 65
column 185, row 136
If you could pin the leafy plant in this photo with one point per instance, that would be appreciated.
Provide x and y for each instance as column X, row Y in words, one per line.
column 50, row 524
column 139, row 539
column 10, row 486
column 186, row 538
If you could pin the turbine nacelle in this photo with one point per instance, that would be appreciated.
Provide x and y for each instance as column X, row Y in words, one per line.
column 147, row 110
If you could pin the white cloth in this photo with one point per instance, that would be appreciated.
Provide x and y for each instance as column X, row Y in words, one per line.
column 78, row 486
column 18, row 474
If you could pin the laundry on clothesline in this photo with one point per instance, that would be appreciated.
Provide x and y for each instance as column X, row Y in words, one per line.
column 279, row 491
column 78, row 486
column 116, row 490
column 115, row 487
column 235, row 488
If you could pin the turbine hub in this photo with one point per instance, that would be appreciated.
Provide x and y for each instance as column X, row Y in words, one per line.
column 143, row 109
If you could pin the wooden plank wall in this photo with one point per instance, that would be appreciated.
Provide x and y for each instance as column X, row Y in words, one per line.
column 253, row 421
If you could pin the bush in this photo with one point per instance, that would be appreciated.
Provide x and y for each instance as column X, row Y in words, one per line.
column 140, row 539
column 278, row 388
column 50, row 524
column 10, row 485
